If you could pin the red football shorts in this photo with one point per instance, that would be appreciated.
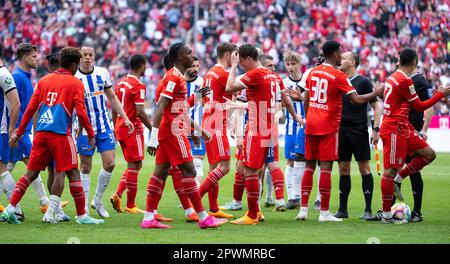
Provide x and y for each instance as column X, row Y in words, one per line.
column 396, row 148
column 218, row 148
column 255, row 150
column 48, row 146
column 322, row 147
column 133, row 147
column 173, row 149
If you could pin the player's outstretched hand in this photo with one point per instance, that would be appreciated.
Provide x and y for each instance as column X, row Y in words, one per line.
column 445, row 90
column 91, row 143
column 14, row 139
column 378, row 88
column 129, row 125
column 294, row 94
column 152, row 150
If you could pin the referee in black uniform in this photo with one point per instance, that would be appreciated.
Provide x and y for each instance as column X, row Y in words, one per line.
column 420, row 122
column 354, row 137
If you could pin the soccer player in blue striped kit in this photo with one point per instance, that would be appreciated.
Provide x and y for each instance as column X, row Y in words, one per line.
column 97, row 83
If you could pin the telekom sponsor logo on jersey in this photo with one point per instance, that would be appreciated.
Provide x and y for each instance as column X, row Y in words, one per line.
column 261, row 121
column 51, row 98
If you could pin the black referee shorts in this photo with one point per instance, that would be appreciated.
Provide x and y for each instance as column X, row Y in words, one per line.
column 354, row 140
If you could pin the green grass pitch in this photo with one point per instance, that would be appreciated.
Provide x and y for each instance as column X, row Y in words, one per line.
column 279, row 227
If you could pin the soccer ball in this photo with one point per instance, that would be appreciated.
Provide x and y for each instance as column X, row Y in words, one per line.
column 401, row 211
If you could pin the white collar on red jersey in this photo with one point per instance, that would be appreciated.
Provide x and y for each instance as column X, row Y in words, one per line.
column 327, row 64
column 221, row 66
column 132, row 76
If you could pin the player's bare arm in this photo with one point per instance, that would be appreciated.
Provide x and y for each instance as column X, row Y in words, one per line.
column 426, row 122
column 118, row 108
column 140, row 112
column 290, row 107
column 306, row 104
column 356, row 98
column 13, row 98
column 376, row 106
column 233, row 85
column 295, row 94
column 157, row 116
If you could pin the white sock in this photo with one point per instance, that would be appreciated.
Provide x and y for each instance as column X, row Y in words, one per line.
column 10, row 208
column 387, row 215
column 318, row 181
column 59, row 209
column 7, row 183
column 104, row 178
column 85, row 180
column 155, row 212
column 237, row 202
column 299, row 168
column 269, row 184
column 53, row 204
column 324, row 213
column 39, row 189
column 280, row 202
column 288, row 178
column 398, row 178
column 202, row 215
column 188, row 211
column 149, row 216
column 198, row 165
column 10, row 166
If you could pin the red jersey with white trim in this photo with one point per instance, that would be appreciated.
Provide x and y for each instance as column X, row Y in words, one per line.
column 216, row 78
column 398, row 94
column 262, row 86
column 130, row 92
column 326, row 85
column 175, row 119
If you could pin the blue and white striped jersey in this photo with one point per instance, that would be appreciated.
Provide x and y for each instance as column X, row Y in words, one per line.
column 291, row 124
column 95, row 83
column 196, row 112
column 6, row 85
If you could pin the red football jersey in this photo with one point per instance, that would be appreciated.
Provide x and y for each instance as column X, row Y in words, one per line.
column 130, row 92
column 326, row 85
column 398, row 94
column 261, row 89
column 216, row 78
column 175, row 120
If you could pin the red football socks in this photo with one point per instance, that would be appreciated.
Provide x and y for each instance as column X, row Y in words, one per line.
column 19, row 190
column 132, row 175
column 307, row 182
column 252, row 187
column 76, row 189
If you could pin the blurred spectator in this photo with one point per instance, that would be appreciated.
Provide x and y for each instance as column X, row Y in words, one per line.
column 377, row 30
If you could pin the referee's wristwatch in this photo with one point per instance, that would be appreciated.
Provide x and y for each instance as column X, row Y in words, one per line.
column 376, row 129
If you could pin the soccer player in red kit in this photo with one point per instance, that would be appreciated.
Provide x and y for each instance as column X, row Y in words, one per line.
column 325, row 86
column 215, row 122
column 261, row 87
column 55, row 98
column 131, row 92
column 399, row 137
column 171, row 125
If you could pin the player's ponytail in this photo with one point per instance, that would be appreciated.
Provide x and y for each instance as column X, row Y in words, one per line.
column 167, row 63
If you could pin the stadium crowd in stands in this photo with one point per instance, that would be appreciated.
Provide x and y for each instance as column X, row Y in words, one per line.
column 377, row 30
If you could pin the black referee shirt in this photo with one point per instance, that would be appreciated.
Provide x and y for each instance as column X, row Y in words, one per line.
column 353, row 114
column 425, row 91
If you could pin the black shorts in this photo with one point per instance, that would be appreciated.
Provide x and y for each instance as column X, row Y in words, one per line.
column 354, row 140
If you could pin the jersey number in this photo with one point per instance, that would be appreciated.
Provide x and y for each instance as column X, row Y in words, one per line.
column 122, row 90
column 320, row 90
column 388, row 92
column 274, row 88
